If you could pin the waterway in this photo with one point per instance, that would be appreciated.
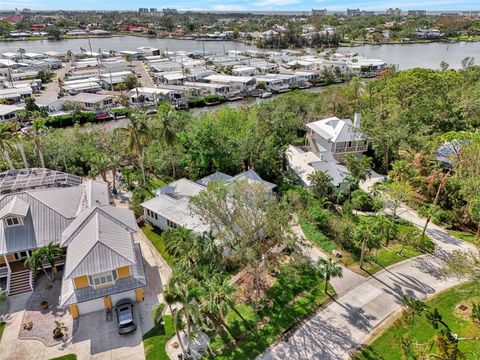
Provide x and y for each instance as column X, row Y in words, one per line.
column 407, row 56
column 122, row 43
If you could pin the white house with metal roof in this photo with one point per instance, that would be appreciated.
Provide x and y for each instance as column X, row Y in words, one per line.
column 102, row 262
column 170, row 208
column 329, row 141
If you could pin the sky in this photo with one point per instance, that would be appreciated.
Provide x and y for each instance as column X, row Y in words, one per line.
column 240, row 5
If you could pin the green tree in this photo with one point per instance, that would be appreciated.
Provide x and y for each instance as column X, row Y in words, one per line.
column 321, row 184
column 6, row 140
column 329, row 269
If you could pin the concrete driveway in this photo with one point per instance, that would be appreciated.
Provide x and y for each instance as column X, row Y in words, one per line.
column 336, row 331
column 97, row 338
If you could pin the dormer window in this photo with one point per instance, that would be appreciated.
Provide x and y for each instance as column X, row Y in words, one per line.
column 13, row 221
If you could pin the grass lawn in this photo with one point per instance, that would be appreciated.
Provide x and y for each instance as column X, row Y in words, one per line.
column 155, row 340
column 373, row 262
column 2, row 327
column 292, row 297
column 386, row 348
column 155, row 237
column 66, row 357
column 471, row 238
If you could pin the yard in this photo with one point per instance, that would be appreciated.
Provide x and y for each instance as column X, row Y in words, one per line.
column 375, row 260
column 471, row 238
column 455, row 307
column 155, row 340
column 295, row 294
column 155, row 236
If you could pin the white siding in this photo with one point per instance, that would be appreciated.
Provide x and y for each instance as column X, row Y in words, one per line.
column 159, row 222
column 90, row 306
column 124, row 295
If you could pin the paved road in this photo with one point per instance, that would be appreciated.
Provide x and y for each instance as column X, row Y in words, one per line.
column 53, row 88
column 145, row 78
column 349, row 279
column 336, row 331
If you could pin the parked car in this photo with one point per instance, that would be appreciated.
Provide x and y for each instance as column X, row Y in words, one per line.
column 125, row 316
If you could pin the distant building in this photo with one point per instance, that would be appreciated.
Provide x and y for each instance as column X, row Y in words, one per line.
column 353, row 12
column 153, row 10
column 143, row 10
column 417, row 12
column 169, row 11
column 319, row 12
column 394, row 12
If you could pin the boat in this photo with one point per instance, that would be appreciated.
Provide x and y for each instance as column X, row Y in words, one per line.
column 266, row 95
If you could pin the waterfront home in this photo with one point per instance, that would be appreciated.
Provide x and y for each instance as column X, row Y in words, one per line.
column 170, row 208
column 240, row 83
column 272, row 84
column 135, row 55
column 7, row 112
column 365, row 67
column 74, row 87
column 90, row 102
column 217, row 89
column 102, row 263
column 151, row 96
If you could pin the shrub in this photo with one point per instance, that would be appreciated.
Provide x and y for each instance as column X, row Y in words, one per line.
column 443, row 217
column 122, row 112
column 361, row 201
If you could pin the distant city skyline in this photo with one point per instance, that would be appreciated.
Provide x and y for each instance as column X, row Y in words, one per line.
column 241, row 5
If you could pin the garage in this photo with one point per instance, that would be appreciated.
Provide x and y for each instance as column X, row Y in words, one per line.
column 124, row 295
column 90, row 306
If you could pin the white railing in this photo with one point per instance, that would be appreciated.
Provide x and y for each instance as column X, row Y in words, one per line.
column 30, row 279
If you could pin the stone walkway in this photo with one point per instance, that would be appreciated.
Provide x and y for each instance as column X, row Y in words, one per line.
column 338, row 330
column 43, row 320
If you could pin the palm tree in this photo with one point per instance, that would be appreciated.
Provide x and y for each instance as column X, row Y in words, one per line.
column 433, row 208
column 138, row 137
column 50, row 254
column 167, row 133
column 367, row 236
column 329, row 269
column 6, row 139
column 37, row 130
column 360, row 168
column 216, row 301
column 35, row 263
column 170, row 299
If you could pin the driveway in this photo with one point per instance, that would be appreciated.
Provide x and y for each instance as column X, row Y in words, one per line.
column 336, row 331
column 97, row 338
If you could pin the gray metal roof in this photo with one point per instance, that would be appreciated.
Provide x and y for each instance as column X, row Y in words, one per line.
column 70, row 295
column 100, row 245
column 15, row 207
column 214, row 177
column 252, row 177
column 122, row 217
column 50, row 212
column 41, row 225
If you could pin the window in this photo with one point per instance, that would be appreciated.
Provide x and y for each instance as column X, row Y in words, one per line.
column 12, row 221
column 102, row 279
column 155, row 216
column 171, row 224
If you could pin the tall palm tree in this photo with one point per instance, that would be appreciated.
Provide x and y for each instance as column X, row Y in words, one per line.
column 170, row 299
column 329, row 269
column 138, row 137
column 167, row 133
column 37, row 130
column 21, row 52
column 6, row 140
column 366, row 235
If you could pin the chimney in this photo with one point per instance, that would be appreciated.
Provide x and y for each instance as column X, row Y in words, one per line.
column 356, row 120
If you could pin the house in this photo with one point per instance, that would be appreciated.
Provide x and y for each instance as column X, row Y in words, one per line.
column 241, row 83
column 170, row 207
column 91, row 101
column 7, row 112
column 340, row 136
column 102, row 262
column 151, row 96
column 330, row 140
